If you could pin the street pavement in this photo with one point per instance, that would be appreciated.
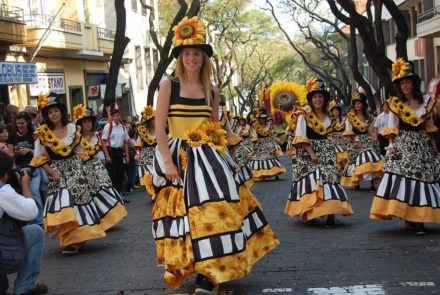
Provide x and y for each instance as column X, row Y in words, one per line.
column 358, row 256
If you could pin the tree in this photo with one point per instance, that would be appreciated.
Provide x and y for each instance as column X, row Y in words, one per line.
column 119, row 44
column 370, row 31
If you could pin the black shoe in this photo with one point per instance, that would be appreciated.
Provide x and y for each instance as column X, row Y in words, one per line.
column 207, row 288
column 38, row 290
column 199, row 279
column 331, row 221
column 70, row 250
column 126, row 201
column 357, row 187
column 420, row 228
column 277, row 177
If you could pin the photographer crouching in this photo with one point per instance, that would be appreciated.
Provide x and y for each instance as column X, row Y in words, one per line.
column 21, row 245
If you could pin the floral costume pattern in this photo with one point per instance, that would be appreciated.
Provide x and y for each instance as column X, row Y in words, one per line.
column 146, row 143
column 208, row 224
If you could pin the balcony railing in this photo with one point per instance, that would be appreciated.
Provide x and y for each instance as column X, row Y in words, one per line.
column 106, row 33
column 430, row 13
column 43, row 20
column 11, row 13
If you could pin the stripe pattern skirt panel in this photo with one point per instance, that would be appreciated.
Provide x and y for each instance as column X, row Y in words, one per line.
column 315, row 191
column 410, row 187
column 145, row 166
column 264, row 163
column 206, row 222
column 366, row 164
column 84, row 205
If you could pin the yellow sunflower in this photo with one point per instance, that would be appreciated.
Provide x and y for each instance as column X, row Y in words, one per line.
column 287, row 94
column 216, row 135
column 189, row 31
column 79, row 111
column 183, row 159
column 195, row 137
column 43, row 100
column 356, row 95
column 148, row 113
column 399, row 68
column 311, row 84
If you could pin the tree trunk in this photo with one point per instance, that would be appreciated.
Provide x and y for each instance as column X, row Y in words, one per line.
column 119, row 44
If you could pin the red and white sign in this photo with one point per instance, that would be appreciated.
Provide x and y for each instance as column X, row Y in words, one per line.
column 48, row 82
column 93, row 91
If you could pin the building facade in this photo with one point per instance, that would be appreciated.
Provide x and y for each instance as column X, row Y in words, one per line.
column 72, row 58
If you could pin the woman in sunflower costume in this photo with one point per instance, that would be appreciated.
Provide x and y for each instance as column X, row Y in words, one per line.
column 78, row 207
column 338, row 128
column 145, row 146
column 315, row 190
column 364, row 160
column 203, row 221
column 410, row 187
column 264, row 162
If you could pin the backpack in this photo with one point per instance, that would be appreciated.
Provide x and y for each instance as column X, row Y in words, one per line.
column 12, row 244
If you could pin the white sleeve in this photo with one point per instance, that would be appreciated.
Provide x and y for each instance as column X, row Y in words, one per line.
column 377, row 121
column 393, row 120
column 105, row 131
column 301, row 126
column 39, row 149
column 17, row 206
column 348, row 125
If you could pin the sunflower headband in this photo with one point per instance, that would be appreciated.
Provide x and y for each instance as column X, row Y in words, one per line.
column 43, row 100
column 79, row 112
column 400, row 69
column 312, row 84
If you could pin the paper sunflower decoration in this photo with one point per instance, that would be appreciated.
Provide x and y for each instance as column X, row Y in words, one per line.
column 148, row 113
column 286, row 94
column 42, row 100
column 312, row 84
column 331, row 105
column 356, row 96
column 79, row 111
column 189, row 31
column 400, row 68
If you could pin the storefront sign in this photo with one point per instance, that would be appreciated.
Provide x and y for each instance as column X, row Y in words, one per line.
column 17, row 73
column 49, row 82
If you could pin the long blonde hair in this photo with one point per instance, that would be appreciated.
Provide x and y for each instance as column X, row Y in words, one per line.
column 205, row 75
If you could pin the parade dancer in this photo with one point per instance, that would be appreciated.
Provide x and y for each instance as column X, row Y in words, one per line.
column 201, row 224
column 364, row 162
column 338, row 128
column 410, row 187
column 145, row 146
column 77, row 208
column 264, row 162
column 315, row 190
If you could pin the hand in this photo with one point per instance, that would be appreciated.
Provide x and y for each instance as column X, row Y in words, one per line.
column 25, row 178
column 24, row 151
column 171, row 172
column 137, row 157
column 56, row 176
column 127, row 159
column 391, row 151
column 108, row 160
column 314, row 158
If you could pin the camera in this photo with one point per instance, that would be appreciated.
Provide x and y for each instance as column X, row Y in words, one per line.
column 14, row 181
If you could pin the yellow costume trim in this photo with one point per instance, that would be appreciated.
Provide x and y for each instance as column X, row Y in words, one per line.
column 51, row 141
column 405, row 113
column 40, row 160
column 348, row 133
column 338, row 127
column 315, row 124
column 233, row 139
column 260, row 131
column 431, row 128
column 258, row 175
column 300, row 140
column 144, row 135
column 356, row 123
column 90, row 149
column 390, row 131
column 383, row 209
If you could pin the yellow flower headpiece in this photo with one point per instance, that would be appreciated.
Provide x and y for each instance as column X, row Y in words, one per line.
column 356, row 96
column 148, row 113
column 400, row 68
column 331, row 105
column 42, row 100
column 79, row 111
column 189, row 31
column 311, row 84
column 287, row 94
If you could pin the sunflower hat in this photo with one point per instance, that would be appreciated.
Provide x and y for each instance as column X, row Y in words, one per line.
column 359, row 95
column 332, row 104
column 190, row 33
column 80, row 112
column 313, row 86
column 403, row 69
column 148, row 113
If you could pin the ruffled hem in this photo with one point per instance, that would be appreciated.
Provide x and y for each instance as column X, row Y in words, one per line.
column 79, row 223
column 406, row 198
column 266, row 168
column 310, row 199
column 300, row 140
column 366, row 163
column 348, row 133
column 390, row 132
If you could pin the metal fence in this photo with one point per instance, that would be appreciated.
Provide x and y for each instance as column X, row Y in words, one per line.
column 43, row 20
column 430, row 13
column 11, row 13
column 106, row 33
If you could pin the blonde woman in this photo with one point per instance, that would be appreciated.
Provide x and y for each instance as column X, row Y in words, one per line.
column 201, row 222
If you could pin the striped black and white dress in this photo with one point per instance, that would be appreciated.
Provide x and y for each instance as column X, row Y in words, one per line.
column 207, row 223
column 364, row 160
column 410, row 187
column 315, row 190
column 84, row 204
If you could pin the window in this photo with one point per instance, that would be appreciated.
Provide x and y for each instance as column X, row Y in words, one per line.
column 134, row 5
column 148, row 69
column 139, row 74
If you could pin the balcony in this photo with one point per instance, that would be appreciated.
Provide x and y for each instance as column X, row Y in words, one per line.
column 12, row 26
column 428, row 23
column 106, row 39
column 66, row 34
